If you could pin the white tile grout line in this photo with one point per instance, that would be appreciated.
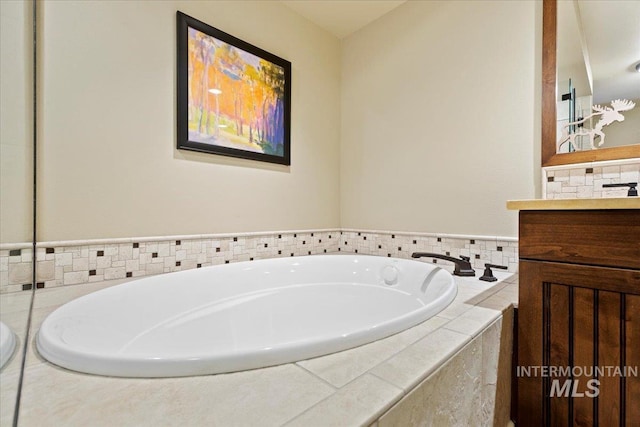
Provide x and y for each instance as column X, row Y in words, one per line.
column 429, row 234
column 121, row 240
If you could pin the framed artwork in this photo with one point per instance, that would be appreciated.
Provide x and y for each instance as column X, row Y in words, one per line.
column 234, row 99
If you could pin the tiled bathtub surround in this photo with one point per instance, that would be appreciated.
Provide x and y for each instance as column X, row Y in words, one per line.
column 15, row 267
column 79, row 262
column 93, row 262
column 584, row 180
column 481, row 249
column 453, row 369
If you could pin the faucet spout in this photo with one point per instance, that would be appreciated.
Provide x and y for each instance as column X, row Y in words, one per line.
column 633, row 191
column 462, row 268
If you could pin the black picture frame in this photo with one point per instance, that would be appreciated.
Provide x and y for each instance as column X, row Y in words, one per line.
column 248, row 88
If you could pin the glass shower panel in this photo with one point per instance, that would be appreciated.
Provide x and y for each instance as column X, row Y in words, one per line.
column 16, row 194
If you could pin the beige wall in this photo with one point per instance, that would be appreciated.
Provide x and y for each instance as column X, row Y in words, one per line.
column 425, row 120
column 626, row 132
column 440, row 111
column 108, row 162
column 16, row 122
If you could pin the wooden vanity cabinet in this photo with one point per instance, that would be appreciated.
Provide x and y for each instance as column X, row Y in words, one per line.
column 579, row 306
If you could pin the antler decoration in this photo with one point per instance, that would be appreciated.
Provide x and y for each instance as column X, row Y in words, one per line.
column 622, row 104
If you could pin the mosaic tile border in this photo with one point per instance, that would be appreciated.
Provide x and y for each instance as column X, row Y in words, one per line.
column 585, row 180
column 78, row 262
column 16, row 267
column 69, row 265
column 481, row 249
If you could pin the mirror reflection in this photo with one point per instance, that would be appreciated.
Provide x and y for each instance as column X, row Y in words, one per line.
column 16, row 194
column 598, row 86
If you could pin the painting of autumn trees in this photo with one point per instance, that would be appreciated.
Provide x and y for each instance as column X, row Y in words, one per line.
column 235, row 98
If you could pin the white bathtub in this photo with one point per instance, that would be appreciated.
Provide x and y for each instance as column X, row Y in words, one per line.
column 242, row 316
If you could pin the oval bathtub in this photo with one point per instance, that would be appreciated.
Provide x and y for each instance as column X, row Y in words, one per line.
column 242, row 316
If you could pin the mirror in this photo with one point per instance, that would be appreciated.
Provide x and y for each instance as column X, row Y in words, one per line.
column 589, row 59
column 16, row 194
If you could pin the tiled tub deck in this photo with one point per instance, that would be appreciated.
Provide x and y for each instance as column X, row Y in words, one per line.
column 451, row 369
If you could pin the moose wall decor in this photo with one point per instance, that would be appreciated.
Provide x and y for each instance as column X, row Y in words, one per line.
column 607, row 115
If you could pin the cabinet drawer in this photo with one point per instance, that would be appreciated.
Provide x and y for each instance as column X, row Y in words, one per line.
column 606, row 238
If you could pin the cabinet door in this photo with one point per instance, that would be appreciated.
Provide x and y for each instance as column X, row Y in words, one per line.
column 578, row 334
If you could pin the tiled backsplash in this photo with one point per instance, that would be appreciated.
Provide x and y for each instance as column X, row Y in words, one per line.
column 15, row 267
column 584, row 181
column 481, row 249
column 77, row 262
